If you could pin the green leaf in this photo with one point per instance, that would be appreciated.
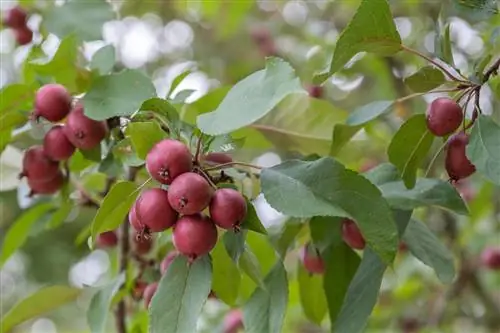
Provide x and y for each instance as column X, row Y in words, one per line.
column 362, row 295
column 161, row 107
column 265, row 310
column 341, row 136
column 180, row 296
column 368, row 112
column 325, row 231
column 114, row 208
column 425, row 79
column 284, row 236
column 103, row 60
column 78, row 162
column 312, row 296
column 19, row 230
column 372, row 29
column 83, row 18
column 427, row 192
column 100, row 304
column 178, row 79
column 383, row 173
column 252, row 98
column 61, row 213
column 252, row 221
column 234, row 243
column 482, row 149
column 93, row 154
column 12, row 119
column 475, row 10
column 249, row 264
column 119, row 94
column 326, row 188
column 15, row 97
column 42, row 301
column 144, row 135
column 226, row 275
column 425, row 246
column 123, row 151
column 409, row 147
column 341, row 266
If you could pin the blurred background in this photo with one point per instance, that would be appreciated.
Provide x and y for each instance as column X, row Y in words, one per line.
column 221, row 42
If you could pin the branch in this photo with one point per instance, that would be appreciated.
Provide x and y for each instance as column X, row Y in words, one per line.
column 230, row 164
column 493, row 70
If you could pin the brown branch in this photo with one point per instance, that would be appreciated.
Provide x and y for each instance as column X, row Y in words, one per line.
column 493, row 70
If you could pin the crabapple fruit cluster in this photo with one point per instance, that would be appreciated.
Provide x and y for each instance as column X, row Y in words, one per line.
column 41, row 163
column 16, row 18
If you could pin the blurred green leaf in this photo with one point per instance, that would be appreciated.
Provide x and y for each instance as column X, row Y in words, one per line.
column 178, row 79
column 265, row 310
column 12, row 119
column 284, row 236
column 98, row 310
column 249, row 264
column 475, row 10
column 483, row 148
column 40, row 302
column 103, row 60
column 180, row 296
column 226, row 275
column 368, row 112
column 442, row 44
column 252, row 221
column 252, row 98
column 341, row 136
column 326, row 188
column 78, row 162
column 312, row 295
column 144, row 135
column 93, row 154
column 119, row 94
column 161, row 107
column 325, row 231
column 83, row 18
column 425, row 246
column 15, row 97
column 409, row 148
column 123, row 150
column 425, row 79
column 234, row 243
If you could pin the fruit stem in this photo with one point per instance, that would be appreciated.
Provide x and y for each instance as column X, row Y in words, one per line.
column 435, row 63
column 404, row 98
column 434, row 158
column 493, row 70
column 198, row 149
column 230, row 164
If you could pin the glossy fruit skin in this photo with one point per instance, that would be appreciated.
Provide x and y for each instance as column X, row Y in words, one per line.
column 217, row 158
column 15, row 18
column 83, row 132
column 52, row 102
column 444, row 116
column 228, row 208
column 194, row 235
column 148, row 293
column 189, row 193
column 107, row 239
column 56, row 145
column 351, row 235
column 152, row 211
column 142, row 245
column 490, row 258
column 23, row 35
column 311, row 260
column 457, row 164
column 167, row 261
column 50, row 186
column 315, row 91
column 233, row 321
column 37, row 166
column 168, row 159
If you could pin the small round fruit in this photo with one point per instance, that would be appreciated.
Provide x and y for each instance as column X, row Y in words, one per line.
column 139, row 288
column 189, row 193
column 311, row 260
column 37, row 166
column 153, row 212
column 194, row 235
column 457, row 164
column 167, row 261
column 490, row 258
column 133, row 220
column 149, row 292
column 56, row 145
column 228, row 208
column 233, row 321
column 46, row 186
column 351, row 235
column 23, row 35
column 217, row 158
column 107, row 239
column 52, row 102
column 15, row 18
column 167, row 160
column 444, row 116
column 83, row 132
column 315, row 91
column 142, row 245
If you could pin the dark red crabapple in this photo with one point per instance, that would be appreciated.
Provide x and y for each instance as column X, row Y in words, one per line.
column 167, row 261
column 56, row 145
column 189, row 193
column 83, row 132
column 15, row 18
column 149, row 292
column 217, row 158
column 311, row 260
column 490, row 258
column 50, row 186
column 457, row 164
column 228, row 208
column 233, row 321
column 167, row 160
column 23, row 35
column 315, row 91
column 37, row 166
column 142, row 245
column 52, row 102
column 444, row 116
column 194, row 235
column 139, row 288
column 264, row 41
column 107, row 239
column 152, row 212
column 351, row 235
column 403, row 247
